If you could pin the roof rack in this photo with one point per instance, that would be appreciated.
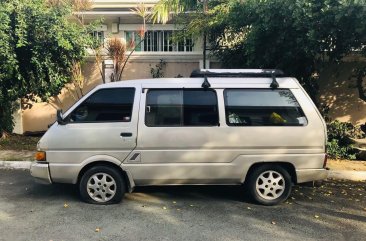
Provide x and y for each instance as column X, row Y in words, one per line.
column 237, row 73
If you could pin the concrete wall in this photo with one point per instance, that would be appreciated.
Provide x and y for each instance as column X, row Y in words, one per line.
column 18, row 120
column 141, row 70
column 37, row 118
column 338, row 91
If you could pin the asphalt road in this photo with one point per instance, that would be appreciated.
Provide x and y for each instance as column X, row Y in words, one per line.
column 30, row 211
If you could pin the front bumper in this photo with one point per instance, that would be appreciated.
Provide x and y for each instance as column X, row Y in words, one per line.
column 308, row 175
column 41, row 173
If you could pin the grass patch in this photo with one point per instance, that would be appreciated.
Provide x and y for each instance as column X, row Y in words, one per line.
column 19, row 142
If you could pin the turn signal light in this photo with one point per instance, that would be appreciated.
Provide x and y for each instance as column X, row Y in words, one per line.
column 40, row 156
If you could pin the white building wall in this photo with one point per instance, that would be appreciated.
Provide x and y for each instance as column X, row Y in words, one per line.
column 18, row 120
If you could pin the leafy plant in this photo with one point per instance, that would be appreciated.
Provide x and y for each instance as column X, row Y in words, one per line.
column 142, row 11
column 296, row 36
column 340, row 136
column 163, row 10
column 337, row 151
column 158, row 72
column 39, row 49
column 116, row 50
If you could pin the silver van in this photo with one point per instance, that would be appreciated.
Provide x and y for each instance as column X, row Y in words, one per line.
column 222, row 127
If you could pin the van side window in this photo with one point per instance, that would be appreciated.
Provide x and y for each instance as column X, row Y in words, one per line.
column 106, row 105
column 181, row 107
column 262, row 107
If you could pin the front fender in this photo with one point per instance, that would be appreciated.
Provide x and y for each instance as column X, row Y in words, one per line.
column 69, row 172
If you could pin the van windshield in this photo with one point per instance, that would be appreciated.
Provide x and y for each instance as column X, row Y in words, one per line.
column 105, row 105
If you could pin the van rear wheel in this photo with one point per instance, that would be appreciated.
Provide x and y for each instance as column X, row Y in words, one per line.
column 269, row 184
column 102, row 185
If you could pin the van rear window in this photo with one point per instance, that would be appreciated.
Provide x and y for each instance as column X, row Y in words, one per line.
column 262, row 107
column 178, row 107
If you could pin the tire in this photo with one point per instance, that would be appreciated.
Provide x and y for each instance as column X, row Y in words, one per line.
column 106, row 185
column 269, row 184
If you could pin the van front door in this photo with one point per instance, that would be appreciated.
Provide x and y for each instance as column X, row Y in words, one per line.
column 103, row 124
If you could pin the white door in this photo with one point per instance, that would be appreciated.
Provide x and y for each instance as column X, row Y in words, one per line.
column 105, row 123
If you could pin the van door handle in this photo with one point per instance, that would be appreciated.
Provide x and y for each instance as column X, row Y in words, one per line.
column 126, row 134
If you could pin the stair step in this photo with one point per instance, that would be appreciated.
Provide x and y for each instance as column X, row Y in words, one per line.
column 361, row 143
column 361, row 153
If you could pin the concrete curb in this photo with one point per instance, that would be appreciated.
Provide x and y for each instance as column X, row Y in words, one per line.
column 335, row 174
column 15, row 164
column 348, row 175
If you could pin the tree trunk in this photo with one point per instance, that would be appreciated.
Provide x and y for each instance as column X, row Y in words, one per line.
column 360, row 88
column 2, row 131
column 4, row 135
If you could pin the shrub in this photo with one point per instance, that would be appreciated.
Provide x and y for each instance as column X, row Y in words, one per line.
column 340, row 142
column 39, row 45
column 158, row 71
column 337, row 151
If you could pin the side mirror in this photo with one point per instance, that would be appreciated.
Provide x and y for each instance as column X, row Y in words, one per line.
column 59, row 117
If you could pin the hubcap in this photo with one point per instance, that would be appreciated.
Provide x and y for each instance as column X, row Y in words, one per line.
column 101, row 187
column 270, row 185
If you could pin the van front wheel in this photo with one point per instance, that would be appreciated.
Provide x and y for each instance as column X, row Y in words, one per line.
column 269, row 184
column 102, row 185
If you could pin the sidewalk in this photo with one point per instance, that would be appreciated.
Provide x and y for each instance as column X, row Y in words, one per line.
column 347, row 175
column 14, row 159
column 15, row 164
column 15, row 155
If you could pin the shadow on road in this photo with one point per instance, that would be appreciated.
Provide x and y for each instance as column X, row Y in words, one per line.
column 191, row 192
column 217, row 192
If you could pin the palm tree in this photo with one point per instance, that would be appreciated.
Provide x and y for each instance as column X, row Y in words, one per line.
column 164, row 8
column 142, row 11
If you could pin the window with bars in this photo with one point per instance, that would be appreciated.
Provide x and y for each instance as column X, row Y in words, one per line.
column 98, row 37
column 133, row 39
column 157, row 41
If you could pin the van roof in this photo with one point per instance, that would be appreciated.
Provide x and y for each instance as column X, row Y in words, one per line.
column 216, row 82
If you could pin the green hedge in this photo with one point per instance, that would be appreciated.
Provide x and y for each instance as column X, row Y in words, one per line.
column 340, row 142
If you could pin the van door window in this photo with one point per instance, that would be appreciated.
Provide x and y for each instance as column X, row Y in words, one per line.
column 262, row 107
column 178, row 107
column 106, row 105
